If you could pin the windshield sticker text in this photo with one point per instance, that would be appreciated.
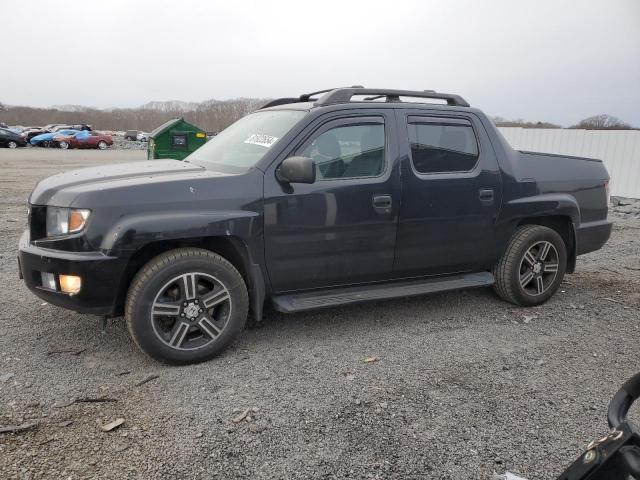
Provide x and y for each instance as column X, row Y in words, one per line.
column 261, row 139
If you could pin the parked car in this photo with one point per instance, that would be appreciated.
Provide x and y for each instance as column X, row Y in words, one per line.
column 81, row 127
column 31, row 132
column 310, row 203
column 51, row 126
column 10, row 139
column 131, row 135
column 83, row 139
column 142, row 137
column 47, row 139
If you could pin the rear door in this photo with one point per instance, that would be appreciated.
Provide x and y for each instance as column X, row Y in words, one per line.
column 451, row 193
column 341, row 229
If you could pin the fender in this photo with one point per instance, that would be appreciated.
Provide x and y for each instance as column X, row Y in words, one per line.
column 543, row 205
column 134, row 231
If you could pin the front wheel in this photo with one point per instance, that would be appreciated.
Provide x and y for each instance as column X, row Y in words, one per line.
column 12, row 144
column 186, row 306
column 63, row 145
column 532, row 267
column 102, row 145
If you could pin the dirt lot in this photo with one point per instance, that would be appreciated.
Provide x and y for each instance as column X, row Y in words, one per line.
column 463, row 384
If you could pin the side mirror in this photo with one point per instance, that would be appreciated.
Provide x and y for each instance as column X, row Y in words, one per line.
column 297, row 170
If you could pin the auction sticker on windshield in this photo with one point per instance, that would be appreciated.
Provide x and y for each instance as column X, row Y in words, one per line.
column 261, row 139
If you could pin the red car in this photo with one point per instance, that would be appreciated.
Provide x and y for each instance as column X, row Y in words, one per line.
column 84, row 139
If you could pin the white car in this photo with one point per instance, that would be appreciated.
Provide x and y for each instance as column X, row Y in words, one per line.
column 142, row 137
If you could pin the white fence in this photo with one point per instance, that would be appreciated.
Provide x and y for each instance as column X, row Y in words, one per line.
column 619, row 149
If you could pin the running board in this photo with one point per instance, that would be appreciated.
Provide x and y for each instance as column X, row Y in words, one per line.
column 298, row 302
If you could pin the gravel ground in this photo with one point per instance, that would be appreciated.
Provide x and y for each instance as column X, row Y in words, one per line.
column 463, row 384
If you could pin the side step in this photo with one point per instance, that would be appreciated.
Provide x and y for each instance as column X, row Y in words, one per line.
column 298, row 302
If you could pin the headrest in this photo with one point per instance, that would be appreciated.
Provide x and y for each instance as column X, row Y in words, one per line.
column 328, row 146
column 454, row 140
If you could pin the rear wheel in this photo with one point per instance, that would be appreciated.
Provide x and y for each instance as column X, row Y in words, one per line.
column 63, row 145
column 102, row 145
column 532, row 267
column 12, row 144
column 186, row 306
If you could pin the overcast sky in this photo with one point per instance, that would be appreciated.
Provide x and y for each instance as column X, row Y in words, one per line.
column 549, row 60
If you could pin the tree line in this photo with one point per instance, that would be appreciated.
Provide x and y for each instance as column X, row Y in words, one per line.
column 213, row 116
column 596, row 122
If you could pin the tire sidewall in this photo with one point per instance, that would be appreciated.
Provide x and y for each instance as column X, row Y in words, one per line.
column 141, row 325
column 538, row 235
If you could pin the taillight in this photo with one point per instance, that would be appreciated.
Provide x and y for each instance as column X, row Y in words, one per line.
column 607, row 189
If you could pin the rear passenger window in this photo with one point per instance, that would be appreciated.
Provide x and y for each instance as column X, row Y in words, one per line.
column 348, row 151
column 437, row 148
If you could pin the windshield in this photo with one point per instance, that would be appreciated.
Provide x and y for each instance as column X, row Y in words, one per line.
column 241, row 145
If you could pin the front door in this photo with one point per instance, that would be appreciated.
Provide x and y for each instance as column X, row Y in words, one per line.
column 451, row 193
column 341, row 229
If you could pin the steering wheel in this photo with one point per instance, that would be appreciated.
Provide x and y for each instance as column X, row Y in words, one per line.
column 617, row 455
column 621, row 402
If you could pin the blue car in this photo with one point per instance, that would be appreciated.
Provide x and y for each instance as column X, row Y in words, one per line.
column 46, row 139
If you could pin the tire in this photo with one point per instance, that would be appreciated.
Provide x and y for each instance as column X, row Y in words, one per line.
column 186, row 306
column 532, row 267
column 12, row 144
column 63, row 145
column 102, row 145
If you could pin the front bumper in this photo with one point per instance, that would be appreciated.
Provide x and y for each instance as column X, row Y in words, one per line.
column 592, row 236
column 100, row 275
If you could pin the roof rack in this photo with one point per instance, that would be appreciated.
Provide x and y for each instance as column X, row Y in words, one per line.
column 305, row 97
column 343, row 95
column 279, row 101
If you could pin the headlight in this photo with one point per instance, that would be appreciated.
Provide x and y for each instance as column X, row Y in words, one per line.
column 62, row 220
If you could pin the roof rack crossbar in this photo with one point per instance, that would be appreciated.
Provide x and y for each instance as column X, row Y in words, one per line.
column 279, row 101
column 305, row 97
column 343, row 95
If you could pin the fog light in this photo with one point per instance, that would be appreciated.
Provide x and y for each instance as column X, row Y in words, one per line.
column 70, row 283
column 48, row 280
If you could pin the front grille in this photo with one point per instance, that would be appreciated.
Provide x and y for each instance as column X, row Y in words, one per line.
column 37, row 222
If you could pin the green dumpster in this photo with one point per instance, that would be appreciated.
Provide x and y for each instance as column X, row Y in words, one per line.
column 175, row 139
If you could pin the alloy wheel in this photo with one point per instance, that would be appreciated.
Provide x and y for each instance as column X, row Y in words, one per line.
column 190, row 311
column 538, row 268
column 13, row 145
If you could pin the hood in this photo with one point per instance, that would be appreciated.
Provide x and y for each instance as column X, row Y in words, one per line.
column 109, row 180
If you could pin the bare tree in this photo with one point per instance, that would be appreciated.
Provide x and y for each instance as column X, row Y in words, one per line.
column 211, row 115
column 503, row 122
column 602, row 122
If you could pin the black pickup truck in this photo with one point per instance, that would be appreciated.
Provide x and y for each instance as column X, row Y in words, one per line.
column 330, row 198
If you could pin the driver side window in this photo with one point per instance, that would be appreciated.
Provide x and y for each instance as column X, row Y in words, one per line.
column 348, row 151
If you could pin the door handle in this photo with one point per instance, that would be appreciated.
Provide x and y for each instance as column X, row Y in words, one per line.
column 486, row 196
column 382, row 203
